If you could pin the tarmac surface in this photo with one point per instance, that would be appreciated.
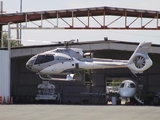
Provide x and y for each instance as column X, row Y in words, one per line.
column 78, row 112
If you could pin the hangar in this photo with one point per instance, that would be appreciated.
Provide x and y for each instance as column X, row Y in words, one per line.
column 24, row 83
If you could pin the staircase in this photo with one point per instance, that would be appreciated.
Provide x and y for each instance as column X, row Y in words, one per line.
column 140, row 101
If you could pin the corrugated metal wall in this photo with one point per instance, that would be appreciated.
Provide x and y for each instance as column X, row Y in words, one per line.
column 153, row 82
column 4, row 75
column 23, row 82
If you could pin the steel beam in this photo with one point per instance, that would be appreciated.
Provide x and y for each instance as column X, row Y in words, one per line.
column 87, row 13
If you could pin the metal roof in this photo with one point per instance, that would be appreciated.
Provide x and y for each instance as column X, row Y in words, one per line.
column 86, row 46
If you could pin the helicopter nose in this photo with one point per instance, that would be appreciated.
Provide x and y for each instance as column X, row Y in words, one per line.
column 30, row 63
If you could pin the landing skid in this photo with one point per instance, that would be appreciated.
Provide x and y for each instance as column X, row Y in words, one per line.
column 48, row 77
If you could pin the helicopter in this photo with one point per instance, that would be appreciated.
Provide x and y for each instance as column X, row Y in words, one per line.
column 70, row 61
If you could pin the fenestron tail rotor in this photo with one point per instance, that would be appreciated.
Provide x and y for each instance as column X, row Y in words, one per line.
column 139, row 61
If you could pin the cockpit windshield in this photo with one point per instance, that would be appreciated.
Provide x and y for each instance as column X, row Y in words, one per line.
column 44, row 58
column 127, row 85
column 39, row 59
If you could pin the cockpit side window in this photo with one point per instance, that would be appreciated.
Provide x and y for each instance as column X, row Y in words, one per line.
column 122, row 85
column 133, row 85
column 48, row 58
column 39, row 59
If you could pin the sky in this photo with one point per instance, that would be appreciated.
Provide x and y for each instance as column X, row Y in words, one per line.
column 36, row 37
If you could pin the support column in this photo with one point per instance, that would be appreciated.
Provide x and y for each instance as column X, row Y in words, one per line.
column 1, row 34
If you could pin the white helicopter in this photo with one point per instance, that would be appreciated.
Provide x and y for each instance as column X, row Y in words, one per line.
column 71, row 60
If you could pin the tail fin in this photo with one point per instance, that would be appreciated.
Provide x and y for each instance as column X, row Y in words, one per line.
column 140, row 61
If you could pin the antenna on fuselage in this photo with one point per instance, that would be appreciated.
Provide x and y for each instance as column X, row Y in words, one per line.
column 67, row 43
